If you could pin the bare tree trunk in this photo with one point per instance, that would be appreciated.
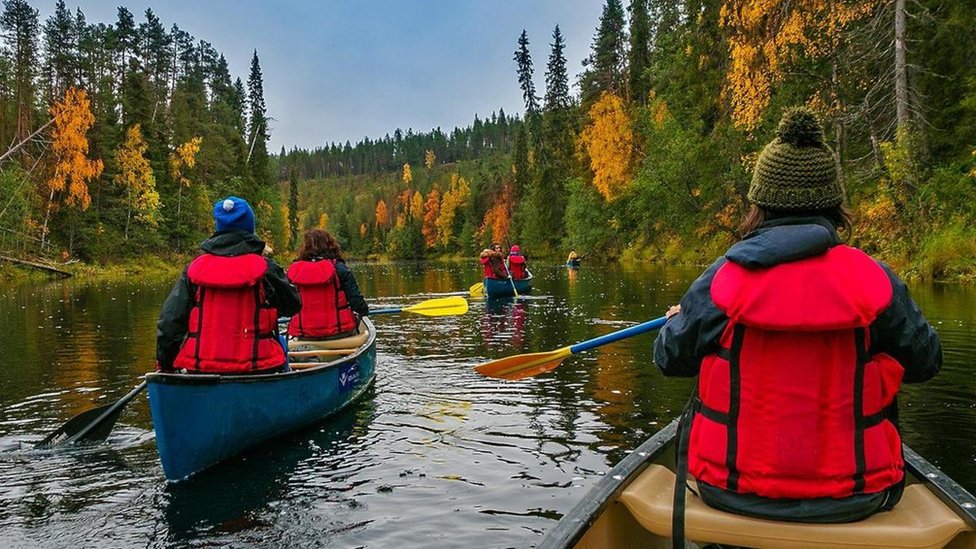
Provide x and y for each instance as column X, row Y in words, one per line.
column 47, row 216
column 901, row 67
column 840, row 135
column 873, row 134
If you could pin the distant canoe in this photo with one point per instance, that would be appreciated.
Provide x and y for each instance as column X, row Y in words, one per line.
column 203, row 419
column 574, row 263
column 630, row 506
column 502, row 287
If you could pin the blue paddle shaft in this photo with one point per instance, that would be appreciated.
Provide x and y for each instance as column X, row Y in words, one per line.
column 618, row 335
column 391, row 310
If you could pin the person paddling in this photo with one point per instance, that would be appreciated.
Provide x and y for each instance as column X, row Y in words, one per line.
column 516, row 264
column 800, row 343
column 332, row 301
column 493, row 262
column 222, row 314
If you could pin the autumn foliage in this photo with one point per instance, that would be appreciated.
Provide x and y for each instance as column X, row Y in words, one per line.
column 498, row 218
column 136, row 178
column 382, row 214
column 765, row 36
column 609, row 143
column 432, row 210
column 69, row 146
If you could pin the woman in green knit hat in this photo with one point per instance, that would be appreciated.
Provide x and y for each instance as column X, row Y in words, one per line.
column 800, row 343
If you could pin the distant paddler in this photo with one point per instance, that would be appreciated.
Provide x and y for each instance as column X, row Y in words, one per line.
column 574, row 259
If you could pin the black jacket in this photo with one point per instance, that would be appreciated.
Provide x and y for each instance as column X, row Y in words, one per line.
column 171, row 327
column 900, row 330
column 347, row 281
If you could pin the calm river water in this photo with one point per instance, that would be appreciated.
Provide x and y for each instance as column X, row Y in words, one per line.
column 434, row 456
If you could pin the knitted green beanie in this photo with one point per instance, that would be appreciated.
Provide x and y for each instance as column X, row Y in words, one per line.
column 796, row 170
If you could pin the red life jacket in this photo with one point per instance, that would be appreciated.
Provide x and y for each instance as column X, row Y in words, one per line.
column 489, row 264
column 516, row 266
column 793, row 405
column 325, row 308
column 231, row 329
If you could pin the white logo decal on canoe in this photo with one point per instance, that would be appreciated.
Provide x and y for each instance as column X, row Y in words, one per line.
column 348, row 377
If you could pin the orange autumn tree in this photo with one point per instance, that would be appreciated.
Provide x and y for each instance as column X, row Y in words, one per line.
column 429, row 159
column 609, row 142
column 432, row 210
column 765, row 36
column 498, row 218
column 185, row 156
column 72, row 168
column 382, row 214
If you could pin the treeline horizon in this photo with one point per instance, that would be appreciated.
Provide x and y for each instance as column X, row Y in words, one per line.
column 652, row 158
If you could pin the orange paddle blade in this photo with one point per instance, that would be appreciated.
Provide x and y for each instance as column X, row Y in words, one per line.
column 522, row 366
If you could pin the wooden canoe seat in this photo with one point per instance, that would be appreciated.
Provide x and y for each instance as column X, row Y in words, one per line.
column 352, row 342
column 920, row 520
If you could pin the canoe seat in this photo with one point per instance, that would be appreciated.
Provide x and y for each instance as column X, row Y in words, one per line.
column 920, row 520
column 352, row 342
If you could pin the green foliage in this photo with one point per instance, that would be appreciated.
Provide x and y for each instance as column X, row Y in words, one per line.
column 590, row 227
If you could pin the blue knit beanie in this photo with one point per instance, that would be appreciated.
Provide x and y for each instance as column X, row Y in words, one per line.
column 233, row 214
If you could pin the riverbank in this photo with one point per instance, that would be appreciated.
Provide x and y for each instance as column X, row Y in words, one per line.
column 143, row 267
column 944, row 257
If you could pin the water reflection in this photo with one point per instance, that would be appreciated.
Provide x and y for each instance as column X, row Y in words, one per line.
column 242, row 494
column 436, row 456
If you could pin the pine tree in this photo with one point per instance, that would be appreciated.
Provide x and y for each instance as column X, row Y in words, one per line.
column 557, row 80
column 605, row 65
column 19, row 25
column 293, row 208
column 154, row 50
column 60, row 44
column 257, row 128
column 639, row 84
column 523, row 61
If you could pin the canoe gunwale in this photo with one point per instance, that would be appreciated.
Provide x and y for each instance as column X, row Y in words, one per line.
column 574, row 525
column 942, row 486
column 212, row 379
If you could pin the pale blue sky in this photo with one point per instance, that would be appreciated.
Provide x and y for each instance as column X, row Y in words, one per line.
column 341, row 69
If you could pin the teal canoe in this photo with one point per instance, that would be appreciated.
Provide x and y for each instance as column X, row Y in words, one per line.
column 202, row 419
column 502, row 287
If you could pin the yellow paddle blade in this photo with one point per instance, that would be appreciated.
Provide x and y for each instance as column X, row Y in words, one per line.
column 527, row 365
column 477, row 290
column 444, row 306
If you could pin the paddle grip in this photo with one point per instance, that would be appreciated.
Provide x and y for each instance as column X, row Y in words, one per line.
column 618, row 335
column 391, row 310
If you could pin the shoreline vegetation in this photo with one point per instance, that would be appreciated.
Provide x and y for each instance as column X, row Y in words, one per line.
column 127, row 131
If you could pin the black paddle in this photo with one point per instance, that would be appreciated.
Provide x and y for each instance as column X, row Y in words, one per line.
column 91, row 425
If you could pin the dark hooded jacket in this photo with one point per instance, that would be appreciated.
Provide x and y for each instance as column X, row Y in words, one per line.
column 900, row 330
column 171, row 328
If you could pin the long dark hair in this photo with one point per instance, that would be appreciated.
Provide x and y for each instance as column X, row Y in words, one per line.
column 319, row 244
column 840, row 216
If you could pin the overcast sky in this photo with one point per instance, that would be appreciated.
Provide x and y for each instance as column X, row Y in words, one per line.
column 341, row 69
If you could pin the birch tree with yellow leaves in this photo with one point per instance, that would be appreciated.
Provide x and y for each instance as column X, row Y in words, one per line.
column 181, row 159
column 137, row 180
